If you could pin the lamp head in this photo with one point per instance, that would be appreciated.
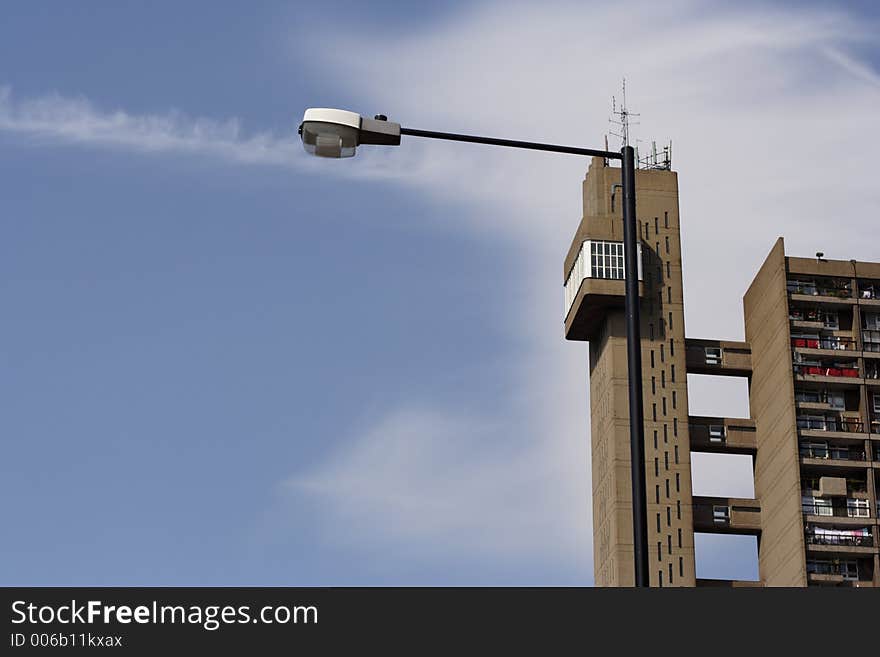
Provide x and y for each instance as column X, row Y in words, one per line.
column 337, row 133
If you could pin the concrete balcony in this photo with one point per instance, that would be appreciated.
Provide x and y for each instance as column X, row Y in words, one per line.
column 727, row 515
column 718, row 357
column 592, row 291
column 722, row 435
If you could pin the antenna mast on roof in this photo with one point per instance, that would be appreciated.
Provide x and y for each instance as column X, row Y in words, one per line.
column 621, row 118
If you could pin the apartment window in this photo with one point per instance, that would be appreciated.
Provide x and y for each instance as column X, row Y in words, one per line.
column 680, row 566
column 720, row 514
column 652, row 358
column 670, row 322
column 668, row 516
column 656, row 225
column 668, row 294
column 656, row 467
column 871, row 321
column 666, row 460
column 654, row 411
column 849, row 570
column 668, row 270
column 659, row 551
column 675, row 427
column 664, row 405
column 679, row 537
column 713, row 355
column 658, row 523
column 673, row 399
column 657, row 493
column 676, row 454
column 671, row 347
column 665, row 434
column 655, row 439
column 671, row 370
column 858, row 508
column 677, row 506
column 667, row 488
column 817, row 506
column 653, row 386
column 667, row 245
column 660, row 577
column 666, row 219
column 876, row 402
column 662, row 354
column 663, row 378
column 716, row 433
column 670, row 573
column 678, row 487
column 606, row 259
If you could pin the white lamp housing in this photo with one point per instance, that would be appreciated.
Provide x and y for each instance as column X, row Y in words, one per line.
column 336, row 133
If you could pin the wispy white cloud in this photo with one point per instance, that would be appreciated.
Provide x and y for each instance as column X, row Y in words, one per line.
column 57, row 118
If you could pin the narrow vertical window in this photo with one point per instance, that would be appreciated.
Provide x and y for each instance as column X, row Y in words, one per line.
column 658, row 522
column 656, row 467
column 659, row 551
column 669, row 543
column 680, row 567
column 675, row 427
column 657, row 491
column 673, row 399
column 670, row 322
column 665, row 434
column 662, row 354
column 671, row 347
column 670, row 573
column 668, row 294
column 666, row 460
column 652, row 358
column 667, row 245
column 676, row 454
column 662, row 378
column 679, row 537
column 664, row 406
column 653, row 385
column 672, row 372
column 660, row 573
column 668, row 270
column 677, row 482
column 666, row 219
column 654, row 411
column 656, row 225
column 655, row 439
column 667, row 488
column 678, row 507
column 668, row 516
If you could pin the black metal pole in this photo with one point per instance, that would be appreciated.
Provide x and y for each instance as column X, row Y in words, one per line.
column 634, row 366
column 511, row 143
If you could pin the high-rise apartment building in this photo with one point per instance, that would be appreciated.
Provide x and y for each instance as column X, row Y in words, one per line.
column 812, row 361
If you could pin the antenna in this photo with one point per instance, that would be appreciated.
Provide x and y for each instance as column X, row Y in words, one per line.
column 622, row 118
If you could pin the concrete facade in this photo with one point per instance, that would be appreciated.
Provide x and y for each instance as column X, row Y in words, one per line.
column 812, row 361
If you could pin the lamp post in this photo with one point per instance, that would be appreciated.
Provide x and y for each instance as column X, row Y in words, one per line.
column 337, row 133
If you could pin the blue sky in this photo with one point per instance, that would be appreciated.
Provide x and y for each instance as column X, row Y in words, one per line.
column 223, row 363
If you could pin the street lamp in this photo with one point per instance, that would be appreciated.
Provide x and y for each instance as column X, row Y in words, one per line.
column 337, row 133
